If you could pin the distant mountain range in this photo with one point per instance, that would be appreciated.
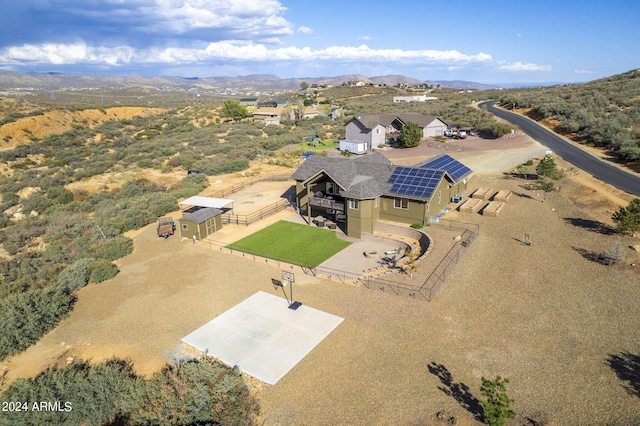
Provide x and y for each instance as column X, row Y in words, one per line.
column 247, row 83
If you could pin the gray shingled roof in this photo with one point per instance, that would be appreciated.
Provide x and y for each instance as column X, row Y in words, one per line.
column 202, row 215
column 370, row 121
column 361, row 178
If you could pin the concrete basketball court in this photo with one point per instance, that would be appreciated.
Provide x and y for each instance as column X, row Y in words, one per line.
column 262, row 336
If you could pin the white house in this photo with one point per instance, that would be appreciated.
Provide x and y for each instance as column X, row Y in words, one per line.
column 377, row 129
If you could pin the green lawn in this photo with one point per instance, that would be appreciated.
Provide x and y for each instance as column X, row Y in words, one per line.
column 293, row 243
column 322, row 145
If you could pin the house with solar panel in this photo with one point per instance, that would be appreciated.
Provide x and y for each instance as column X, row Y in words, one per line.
column 358, row 192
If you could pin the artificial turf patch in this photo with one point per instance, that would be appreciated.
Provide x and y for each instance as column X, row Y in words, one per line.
column 294, row 243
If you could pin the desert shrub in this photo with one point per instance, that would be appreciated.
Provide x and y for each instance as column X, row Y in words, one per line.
column 613, row 255
column 162, row 204
column 26, row 317
column 191, row 185
column 59, row 195
column 203, row 392
column 138, row 187
column 113, row 248
column 106, row 393
column 75, row 276
column 417, row 226
column 37, row 202
column 15, row 237
column 102, row 270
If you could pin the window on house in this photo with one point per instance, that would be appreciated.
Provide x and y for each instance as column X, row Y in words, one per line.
column 354, row 204
column 332, row 188
column 401, row 203
column 428, row 206
column 439, row 196
column 185, row 227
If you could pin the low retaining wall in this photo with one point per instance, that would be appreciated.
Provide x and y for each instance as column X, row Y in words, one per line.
column 472, row 205
column 482, row 193
column 404, row 231
column 493, row 209
column 503, row 195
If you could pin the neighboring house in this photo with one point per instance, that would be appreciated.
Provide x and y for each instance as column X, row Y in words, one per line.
column 201, row 223
column 376, row 129
column 251, row 102
column 311, row 111
column 361, row 191
column 270, row 116
column 414, row 98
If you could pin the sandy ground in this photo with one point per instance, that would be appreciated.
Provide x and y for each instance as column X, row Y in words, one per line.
column 545, row 316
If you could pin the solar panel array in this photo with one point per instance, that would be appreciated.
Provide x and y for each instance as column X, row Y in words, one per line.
column 455, row 168
column 414, row 182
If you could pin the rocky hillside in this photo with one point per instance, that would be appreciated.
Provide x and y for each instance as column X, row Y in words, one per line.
column 37, row 124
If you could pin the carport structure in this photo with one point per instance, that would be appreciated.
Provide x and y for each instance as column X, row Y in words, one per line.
column 196, row 203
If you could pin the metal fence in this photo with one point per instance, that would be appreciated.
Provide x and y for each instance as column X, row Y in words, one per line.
column 248, row 219
column 275, row 177
column 424, row 290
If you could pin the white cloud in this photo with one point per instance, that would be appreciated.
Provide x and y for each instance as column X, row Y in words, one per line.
column 521, row 66
column 364, row 38
column 305, row 30
column 583, row 72
column 225, row 51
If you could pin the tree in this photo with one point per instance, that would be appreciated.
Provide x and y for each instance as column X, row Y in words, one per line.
column 410, row 135
column 496, row 406
column 233, row 110
column 548, row 168
column 304, row 85
column 627, row 219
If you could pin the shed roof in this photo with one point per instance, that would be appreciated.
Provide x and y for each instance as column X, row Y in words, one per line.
column 201, row 215
column 217, row 203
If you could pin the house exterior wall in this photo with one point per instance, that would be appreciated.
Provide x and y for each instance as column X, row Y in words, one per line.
column 435, row 128
column 414, row 213
column 363, row 219
column 356, row 132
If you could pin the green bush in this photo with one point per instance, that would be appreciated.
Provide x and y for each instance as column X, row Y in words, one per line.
column 102, row 270
column 196, row 393
column 203, row 392
column 75, row 276
column 26, row 317
column 107, row 393
column 417, row 226
column 113, row 248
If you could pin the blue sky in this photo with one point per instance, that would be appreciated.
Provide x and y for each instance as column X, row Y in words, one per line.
column 489, row 41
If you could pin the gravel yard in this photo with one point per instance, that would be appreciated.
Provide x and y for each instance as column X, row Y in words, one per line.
column 546, row 316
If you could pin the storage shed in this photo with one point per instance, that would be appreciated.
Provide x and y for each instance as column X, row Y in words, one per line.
column 201, row 223
column 354, row 147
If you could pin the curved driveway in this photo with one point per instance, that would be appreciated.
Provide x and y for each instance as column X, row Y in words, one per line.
column 580, row 158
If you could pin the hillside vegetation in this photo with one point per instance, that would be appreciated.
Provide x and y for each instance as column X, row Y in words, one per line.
column 603, row 113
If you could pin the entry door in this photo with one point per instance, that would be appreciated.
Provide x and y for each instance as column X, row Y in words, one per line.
column 211, row 226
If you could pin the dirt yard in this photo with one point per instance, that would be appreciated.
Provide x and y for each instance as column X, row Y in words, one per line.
column 546, row 316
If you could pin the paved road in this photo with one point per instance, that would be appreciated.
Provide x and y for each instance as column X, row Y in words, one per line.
column 580, row 158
